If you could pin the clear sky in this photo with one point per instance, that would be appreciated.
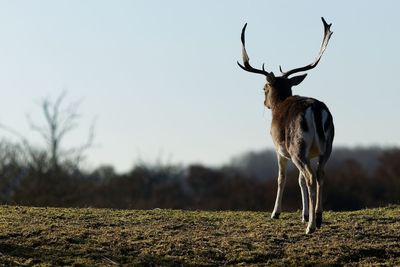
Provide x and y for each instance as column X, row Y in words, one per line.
column 161, row 76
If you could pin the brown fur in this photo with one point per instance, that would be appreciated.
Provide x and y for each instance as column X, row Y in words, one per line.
column 295, row 140
column 300, row 131
column 288, row 113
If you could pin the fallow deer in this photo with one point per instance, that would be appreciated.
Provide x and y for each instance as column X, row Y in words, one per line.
column 301, row 129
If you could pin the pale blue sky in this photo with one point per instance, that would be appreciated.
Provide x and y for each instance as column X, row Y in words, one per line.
column 162, row 80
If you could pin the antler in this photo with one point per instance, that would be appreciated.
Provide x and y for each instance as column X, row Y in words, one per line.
column 247, row 66
column 327, row 36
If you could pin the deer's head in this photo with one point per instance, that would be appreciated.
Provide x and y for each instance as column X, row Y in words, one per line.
column 277, row 88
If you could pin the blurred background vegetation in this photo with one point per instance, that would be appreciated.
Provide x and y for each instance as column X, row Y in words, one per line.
column 52, row 175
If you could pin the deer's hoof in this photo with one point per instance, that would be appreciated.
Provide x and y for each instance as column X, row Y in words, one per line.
column 310, row 230
column 275, row 215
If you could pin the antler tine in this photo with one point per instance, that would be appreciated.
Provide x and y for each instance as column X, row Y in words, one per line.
column 324, row 44
column 280, row 69
column 245, row 57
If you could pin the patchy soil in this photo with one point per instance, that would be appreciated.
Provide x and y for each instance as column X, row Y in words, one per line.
column 101, row 237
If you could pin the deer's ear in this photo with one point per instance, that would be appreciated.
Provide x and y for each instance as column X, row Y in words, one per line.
column 297, row 79
column 271, row 78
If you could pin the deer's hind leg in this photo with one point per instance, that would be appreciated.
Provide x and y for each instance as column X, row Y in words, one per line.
column 300, row 156
column 304, row 197
column 311, row 181
column 322, row 160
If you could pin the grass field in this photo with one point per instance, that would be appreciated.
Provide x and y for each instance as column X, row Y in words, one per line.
column 101, row 237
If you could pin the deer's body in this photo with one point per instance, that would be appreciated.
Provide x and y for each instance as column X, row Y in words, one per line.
column 301, row 129
column 307, row 117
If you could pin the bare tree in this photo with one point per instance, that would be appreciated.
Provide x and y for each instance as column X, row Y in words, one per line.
column 60, row 119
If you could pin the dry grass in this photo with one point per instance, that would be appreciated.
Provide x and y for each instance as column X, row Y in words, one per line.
column 101, row 237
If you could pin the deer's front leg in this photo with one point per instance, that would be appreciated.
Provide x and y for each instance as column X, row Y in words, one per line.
column 282, row 162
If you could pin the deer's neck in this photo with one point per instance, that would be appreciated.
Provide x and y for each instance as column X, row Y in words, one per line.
column 277, row 98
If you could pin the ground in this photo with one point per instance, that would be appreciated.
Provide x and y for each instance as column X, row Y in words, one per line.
column 101, row 237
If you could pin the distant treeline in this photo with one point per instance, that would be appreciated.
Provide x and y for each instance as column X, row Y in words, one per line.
column 355, row 179
column 263, row 164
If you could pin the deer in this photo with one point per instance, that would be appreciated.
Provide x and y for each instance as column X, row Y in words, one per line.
column 302, row 130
